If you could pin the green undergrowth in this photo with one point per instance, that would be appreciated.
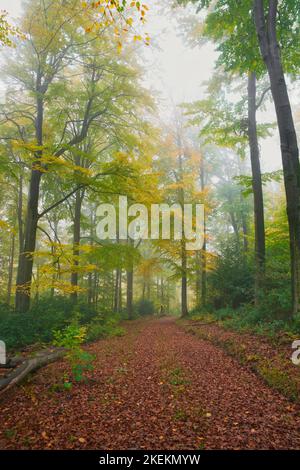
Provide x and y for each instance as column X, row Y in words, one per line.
column 249, row 319
column 37, row 327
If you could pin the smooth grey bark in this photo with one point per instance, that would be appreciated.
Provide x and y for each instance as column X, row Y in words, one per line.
column 265, row 23
column 259, row 221
column 184, row 301
column 129, row 304
column 117, row 291
column 11, row 267
column 79, row 195
column 184, row 283
column 204, row 248
column 25, row 266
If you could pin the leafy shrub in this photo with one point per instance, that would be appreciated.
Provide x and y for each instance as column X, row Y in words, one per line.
column 18, row 330
column 145, row 307
column 231, row 282
column 101, row 329
column 80, row 361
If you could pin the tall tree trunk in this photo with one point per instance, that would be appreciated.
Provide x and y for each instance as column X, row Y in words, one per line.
column 259, row 222
column 181, row 200
column 76, row 242
column 91, row 293
column 116, row 291
column 204, row 248
column 162, row 291
column 245, row 233
column 130, row 293
column 11, row 267
column 95, row 290
column 20, row 214
column 120, row 301
column 203, row 275
column 198, row 279
column 144, row 289
column 25, row 267
column 184, row 302
column 129, row 276
column 149, row 288
column 267, row 38
column 168, row 297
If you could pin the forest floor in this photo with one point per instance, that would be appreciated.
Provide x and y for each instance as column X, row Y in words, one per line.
column 156, row 387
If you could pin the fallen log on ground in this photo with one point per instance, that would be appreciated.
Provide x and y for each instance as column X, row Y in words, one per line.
column 12, row 362
column 29, row 365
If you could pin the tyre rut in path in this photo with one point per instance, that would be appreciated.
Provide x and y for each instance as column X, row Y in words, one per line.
column 157, row 387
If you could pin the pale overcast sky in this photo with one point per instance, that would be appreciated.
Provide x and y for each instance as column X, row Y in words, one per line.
column 177, row 71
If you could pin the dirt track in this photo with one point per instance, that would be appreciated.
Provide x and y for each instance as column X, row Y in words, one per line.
column 157, row 387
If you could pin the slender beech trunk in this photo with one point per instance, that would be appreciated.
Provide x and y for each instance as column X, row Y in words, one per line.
column 268, row 42
column 204, row 248
column 130, row 293
column 198, row 279
column 149, row 289
column 259, row 221
column 184, row 284
column 184, row 302
column 20, row 214
column 11, row 267
column 76, row 242
column 117, row 291
column 162, row 291
column 120, row 291
column 168, row 296
column 95, row 289
column 245, row 233
column 90, row 275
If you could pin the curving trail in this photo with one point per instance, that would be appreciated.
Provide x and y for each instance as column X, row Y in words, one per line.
column 157, row 387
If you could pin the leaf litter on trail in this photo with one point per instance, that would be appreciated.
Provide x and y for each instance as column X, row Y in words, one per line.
column 178, row 392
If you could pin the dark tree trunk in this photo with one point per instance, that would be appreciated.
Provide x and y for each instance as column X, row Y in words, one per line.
column 20, row 214
column 91, row 293
column 168, row 297
column 76, row 242
column 162, row 291
column 198, row 279
column 11, row 267
column 183, row 254
column 203, row 276
column 24, row 277
column 259, row 222
column 144, row 289
column 117, row 291
column 204, row 248
column 130, row 293
column 245, row 234
column 120, row 291
column 25, row 267
column 184, row 302
column 267, row 38
column 149, row 289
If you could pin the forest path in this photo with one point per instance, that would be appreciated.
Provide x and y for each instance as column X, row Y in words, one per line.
column 157, row 387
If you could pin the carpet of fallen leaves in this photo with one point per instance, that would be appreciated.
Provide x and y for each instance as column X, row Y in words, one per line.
column 275, row 351
column 157, row 387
